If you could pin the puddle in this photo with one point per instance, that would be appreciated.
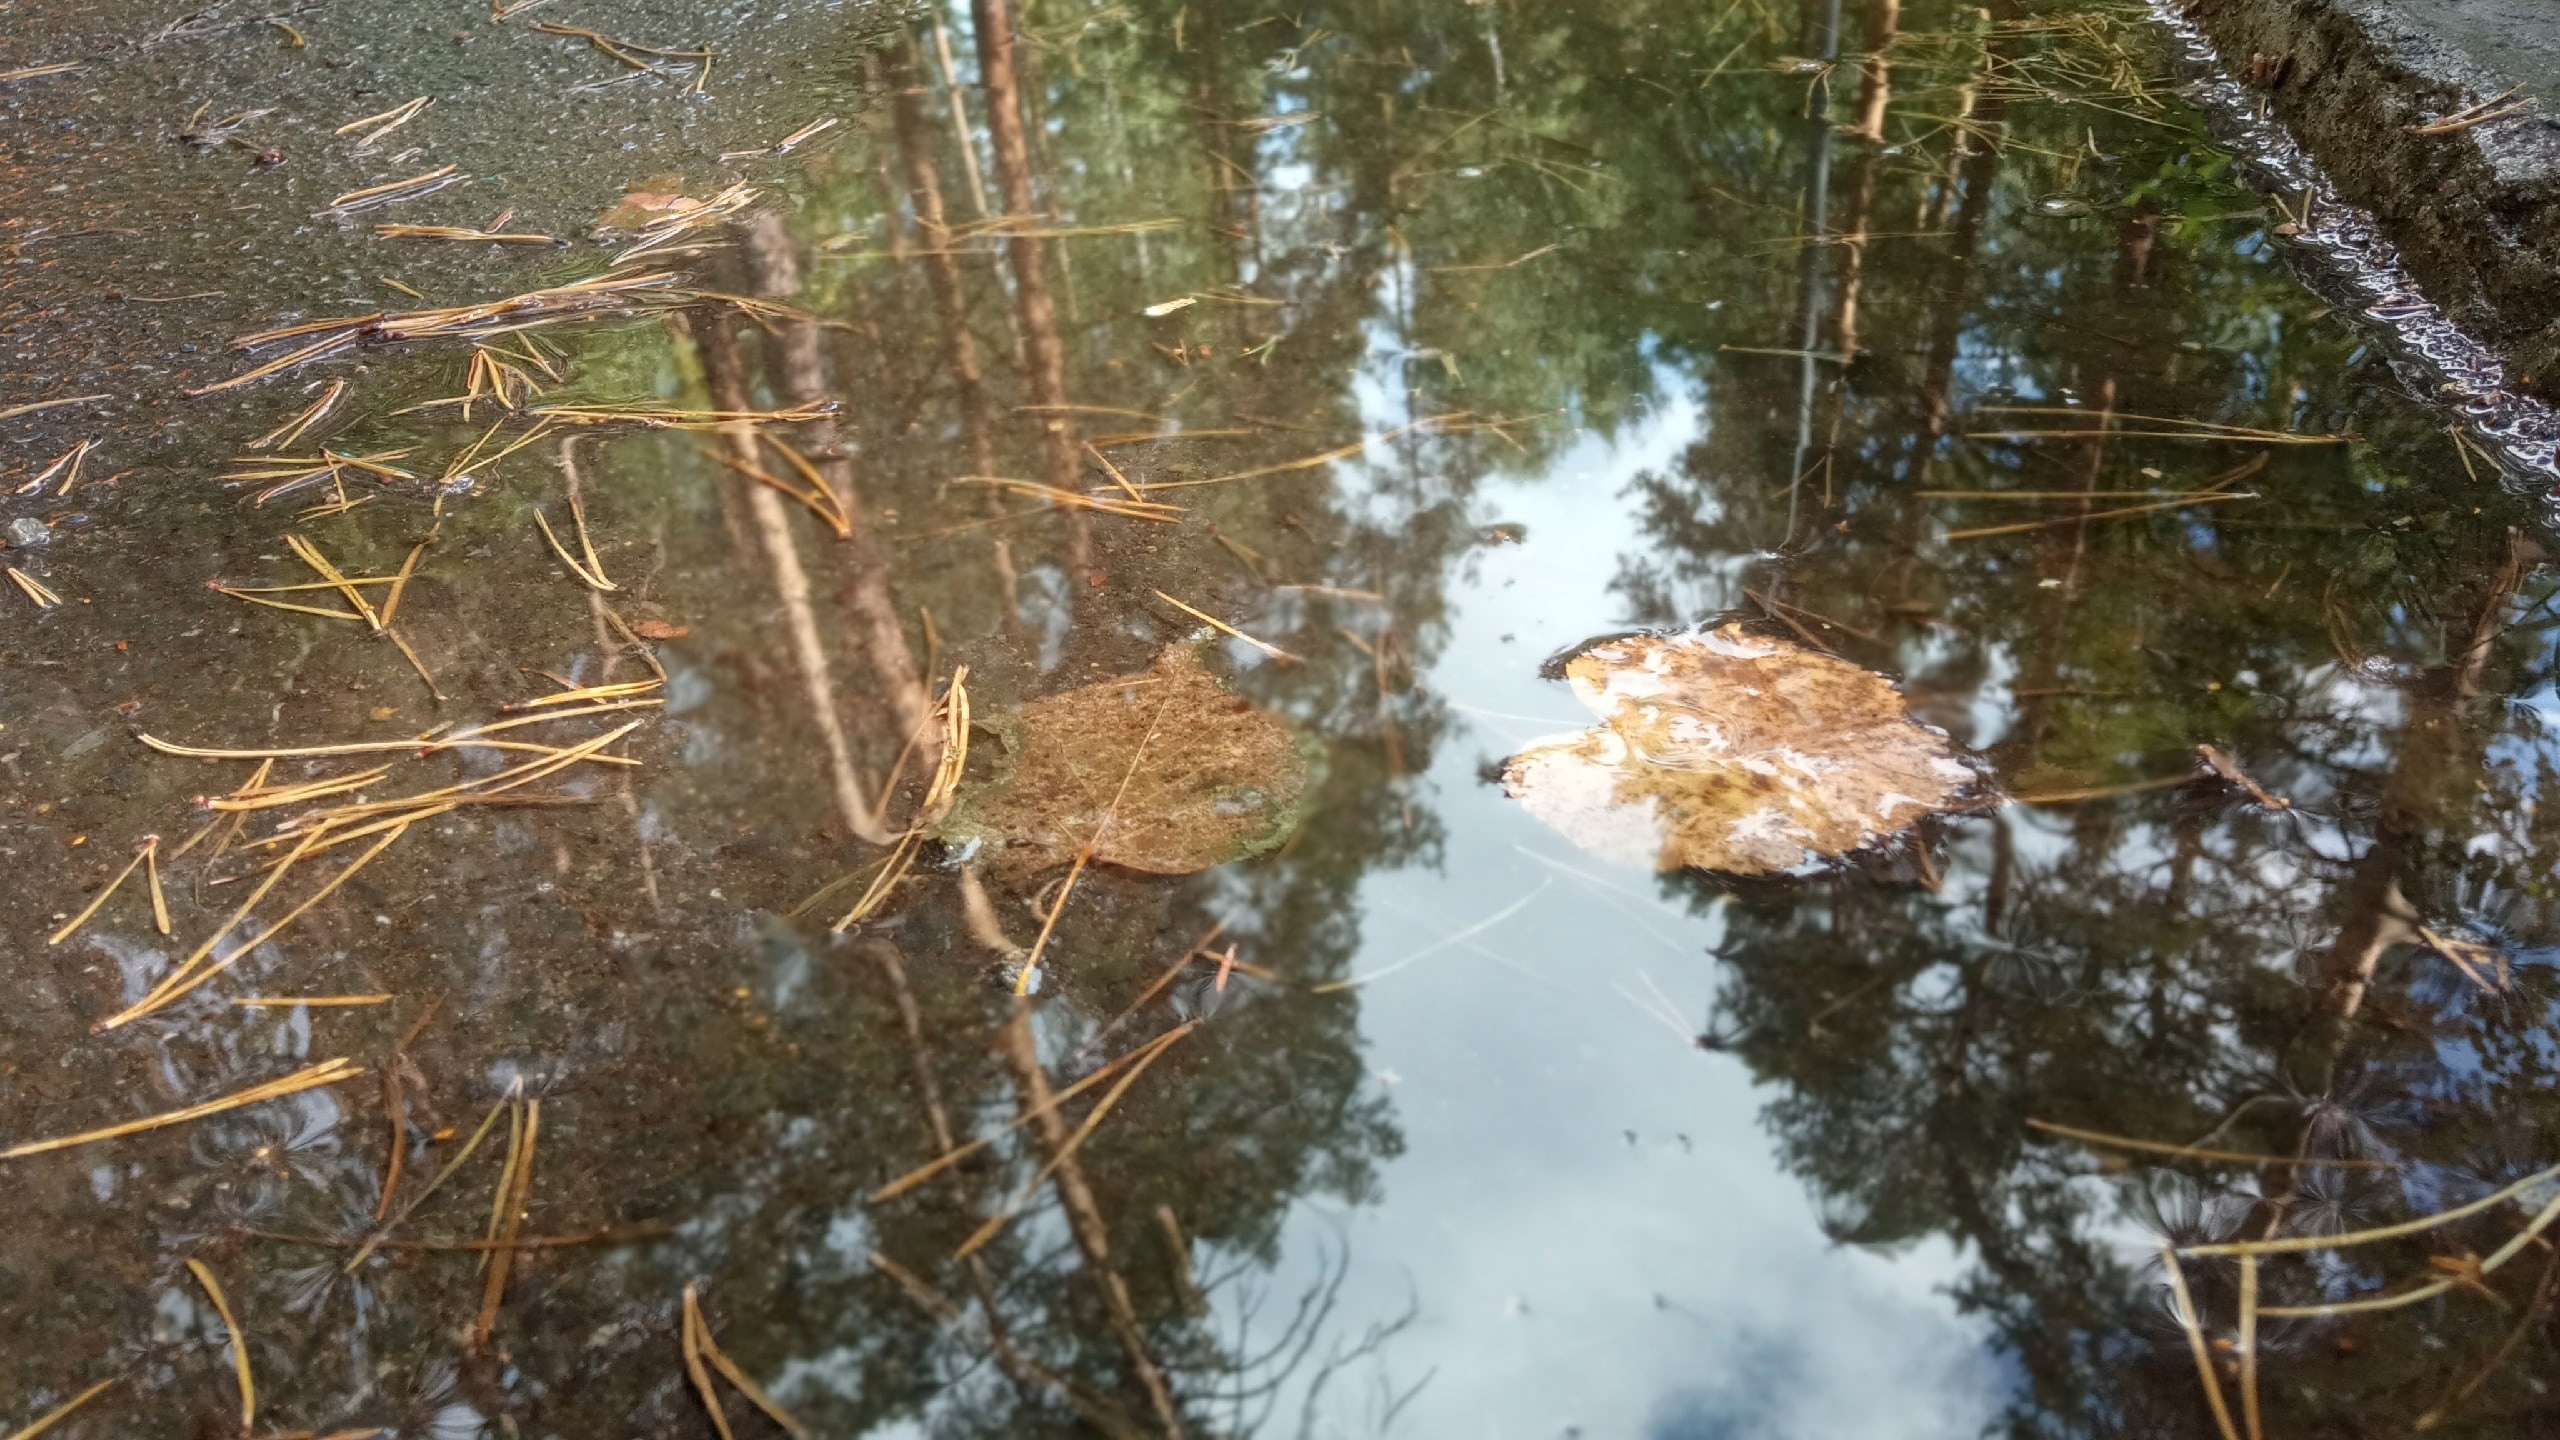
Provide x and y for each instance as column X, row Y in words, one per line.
column 1419, row 347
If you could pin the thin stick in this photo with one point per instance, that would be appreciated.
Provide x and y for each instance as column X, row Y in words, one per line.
column 2196, row 1346
column 76, row 921
column 1213, row 622
column 2249, row 1347
column 54, row 1416
column 327, row 1072
column 239, row 1344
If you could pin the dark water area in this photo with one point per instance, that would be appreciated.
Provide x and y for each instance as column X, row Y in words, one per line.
column 1422, row 343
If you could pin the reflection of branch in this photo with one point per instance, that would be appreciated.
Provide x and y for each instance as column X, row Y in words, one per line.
column 1042, row 353
column 1084, row 1213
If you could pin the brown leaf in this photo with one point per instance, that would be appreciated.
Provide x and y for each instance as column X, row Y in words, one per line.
column 659, row 630
column 1726, row 751
column 647, row 203
column 1209, row 778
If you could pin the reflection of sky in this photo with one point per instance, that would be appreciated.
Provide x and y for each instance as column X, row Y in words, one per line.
column 1587, row 1219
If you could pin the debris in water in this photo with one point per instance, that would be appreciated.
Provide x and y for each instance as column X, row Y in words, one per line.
column 1725, row 751
column 1223, row 780
column 25, row 533
column 36, row 589
column 327, row 1072
column 698, row 1346
column 239, row 1343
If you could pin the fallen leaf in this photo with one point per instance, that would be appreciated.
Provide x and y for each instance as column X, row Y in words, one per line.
column 647, row 203
column 1216, row 780
column 659, row 630
column 1729, row 752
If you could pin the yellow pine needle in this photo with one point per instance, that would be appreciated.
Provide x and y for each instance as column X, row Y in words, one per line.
column 462, row 232
column 2105, row 1141
column 995, row 1224
column 506, row 1222
column 838, row 516
column 374, row 1241
column 36, row 589
column 319, row 563
column 891, row 872
column 591, row 574
column 403, row 289
column 175, row 993
column 472, row 791
column 390, row 189
column 710, row 1350
column 239, row 1343
column 400, row 582
column 2196, row 1345
column 690, row 1342
column 1214, row 623
column 397, row 112
column 316, row 1002
column 327, row 1072
column 667, row 417
column 426, row 743
column 72, row 927
column 296, row 794
column 2299, row 1244
column 1084, row 856
column 285, row 604
column 1116, row 477
column 955, row 746
column 1155, row 510
column 54, row 1416
column 621, row 689
column 292, row 430
column 507, row 1167
column 151, row 872
column 2248, row 1345
column 954, row 1156
column 1308, row 462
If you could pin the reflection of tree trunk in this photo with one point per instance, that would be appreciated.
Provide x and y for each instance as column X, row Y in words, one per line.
column 942, row 273
column 2440, row 742
column 1043, row 356
column 2066, row 548
column 1234, row 191
column 727, row 376
column 1084, row 1216
column 1813, row 225
column 959, row 116
column 1973, row 176
column 1875, row 93
column 775, row 270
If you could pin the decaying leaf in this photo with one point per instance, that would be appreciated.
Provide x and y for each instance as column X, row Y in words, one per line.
column 648, row 202
column 1729, row 752
column 1213, row 779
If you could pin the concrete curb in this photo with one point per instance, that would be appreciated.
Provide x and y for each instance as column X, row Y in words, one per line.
column 2475, row 213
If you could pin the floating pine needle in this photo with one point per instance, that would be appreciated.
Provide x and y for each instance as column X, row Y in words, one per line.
column 2302, row 1244
column 892, row 870
column 604, row 294
column 54, row 1416
column 787, row 143
column 2224, row 766
column 315, row 1002
column 941, row 1163
column 373, row 197
column 955, row 748
column 36, row 590
column 1084, row 856
column 1155, row 510
column 689, row 1342
column 1067, row 1149
column 670, row 230
column 652, row 416
column 591, row 572
column 699, row 1346
column 2196, row 1346
column 1310, row 462
column 374, row 1241
column 2104, row 1141
column 1223, row 628
column 30, row 72
column 514, row 1192
column 2181, row 502
column 465, row 233
column 327, row 1072
column 388, row 121
column 72, row 927
column 292, row 430
column 14, row 411
column 67, row 465
column 822, row 498
column 239, row 1344
column 625, row 52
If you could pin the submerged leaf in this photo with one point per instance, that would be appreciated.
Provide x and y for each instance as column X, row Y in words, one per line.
column 1208, row 778
column 1725, row 751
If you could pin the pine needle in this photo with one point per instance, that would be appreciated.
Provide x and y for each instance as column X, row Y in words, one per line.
column 239, row 1344
column 690, row 1342
column 36, row 589
column 709, row 1349
column 72, row 927
column 995, row 1224
column 1213, row 622
column 54, row 1416
column 327, row 1072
